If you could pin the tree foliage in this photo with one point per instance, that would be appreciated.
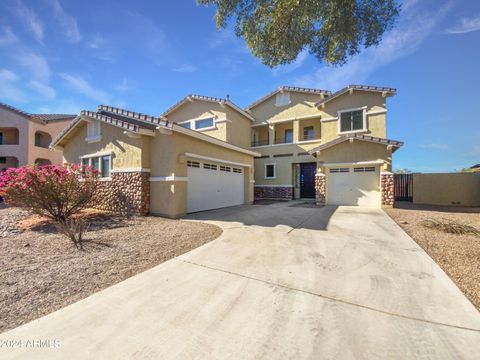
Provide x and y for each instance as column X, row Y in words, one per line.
column 276, row 31
column 55, row 192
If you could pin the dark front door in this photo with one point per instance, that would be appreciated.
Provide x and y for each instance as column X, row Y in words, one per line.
column 307, row 180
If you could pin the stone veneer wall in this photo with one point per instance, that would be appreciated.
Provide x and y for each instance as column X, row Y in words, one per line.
column 127, row 193
column 320, row 188
column 273, row 192
column 387, row 189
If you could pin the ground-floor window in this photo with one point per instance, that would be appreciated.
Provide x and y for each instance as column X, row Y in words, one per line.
column 103, row 164
column 270, row 171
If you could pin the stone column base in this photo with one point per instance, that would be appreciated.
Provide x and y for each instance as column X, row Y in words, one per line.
column 320, row 189
column 273, row 192
column 127, row 193
column 387, row 189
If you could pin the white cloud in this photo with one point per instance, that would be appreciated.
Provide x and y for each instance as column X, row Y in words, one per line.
column 82, row 86
column 9, row 87
column 187, row 68
column 42, row 89
column 30, row 18
column 35, row 64
column 7, row 37
column 122, row 87
column 285, row 69
column 66, row 21
column 465, row 26
column 412, row 28
column 434, row 146
column 97, row 42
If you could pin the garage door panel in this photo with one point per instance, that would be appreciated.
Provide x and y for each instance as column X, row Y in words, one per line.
column 354, row 186
column 211, row 188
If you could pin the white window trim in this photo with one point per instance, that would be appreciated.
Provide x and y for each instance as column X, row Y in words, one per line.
column 100, row 163
column 285, row 93
column 193, row 127
column 274, row 171
column 96, row 137
column 364, row 112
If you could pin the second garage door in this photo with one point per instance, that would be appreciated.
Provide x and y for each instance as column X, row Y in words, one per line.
column 213, row 185
column 354, row 186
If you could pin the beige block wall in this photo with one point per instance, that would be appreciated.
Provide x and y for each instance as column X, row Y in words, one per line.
column 460, row 189
column 170, row 197
column 128, row 153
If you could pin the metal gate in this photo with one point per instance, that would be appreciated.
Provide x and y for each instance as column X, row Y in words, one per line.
column 403, row 187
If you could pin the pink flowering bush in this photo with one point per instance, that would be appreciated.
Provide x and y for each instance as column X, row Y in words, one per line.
column 56, row 192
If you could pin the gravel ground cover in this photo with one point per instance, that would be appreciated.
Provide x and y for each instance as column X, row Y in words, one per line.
column 458, row 255
column 41, row 271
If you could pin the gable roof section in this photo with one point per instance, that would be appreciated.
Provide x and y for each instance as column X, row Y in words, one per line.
column 124, row 119
column 287, row 88
column 384, row 90
column 45, row 118
column 221, row 101
column 141, row 124
column 387, row 142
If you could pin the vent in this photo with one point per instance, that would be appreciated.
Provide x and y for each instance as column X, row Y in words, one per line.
column 282, row 155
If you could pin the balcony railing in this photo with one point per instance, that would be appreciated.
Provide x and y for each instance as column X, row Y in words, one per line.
column 260, row 142
column 310, row 136
column 284, row 140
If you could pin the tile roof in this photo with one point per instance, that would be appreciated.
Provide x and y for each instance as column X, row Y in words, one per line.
column 42, row 117
column 124, row 119
column 387, row 90
column 287, row 88
column 361, row 137
column 191, row 97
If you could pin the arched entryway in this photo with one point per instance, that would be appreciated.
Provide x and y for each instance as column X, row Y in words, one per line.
column 8, row 162
column 42, row 139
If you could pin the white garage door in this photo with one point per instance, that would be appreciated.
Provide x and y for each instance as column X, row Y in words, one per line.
column 213, row 185
column 354, row 186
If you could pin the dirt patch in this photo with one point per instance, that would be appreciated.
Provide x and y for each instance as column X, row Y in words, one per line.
column 42, row 272
column 457, row 254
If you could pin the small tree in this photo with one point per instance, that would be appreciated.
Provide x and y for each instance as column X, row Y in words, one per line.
column 56, row 192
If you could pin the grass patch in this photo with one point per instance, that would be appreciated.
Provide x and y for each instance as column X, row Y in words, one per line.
column 450, row 227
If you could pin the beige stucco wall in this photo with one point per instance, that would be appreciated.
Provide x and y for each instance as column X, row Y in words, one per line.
column 127, row 153
column 170, row 197
column 53, row 129
column 230, row 126
column 300, row 105
column 460, row 189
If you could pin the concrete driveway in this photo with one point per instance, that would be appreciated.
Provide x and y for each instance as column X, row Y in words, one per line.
column 285, row 280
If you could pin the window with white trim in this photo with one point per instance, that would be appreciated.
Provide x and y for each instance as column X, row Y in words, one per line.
column 352, row 120
column 101, row 163
column 282, row 99
column 270, row 171
column 209, row 166
column 339, row 170
column 200, row 124
column 93, row 131
column 364, row 169
column 194, row 164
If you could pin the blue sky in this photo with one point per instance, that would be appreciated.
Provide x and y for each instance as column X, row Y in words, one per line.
column 63, row 56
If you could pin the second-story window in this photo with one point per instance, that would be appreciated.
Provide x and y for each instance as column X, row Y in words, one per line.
column 288, row 136
column 282, row 99
column 1, row 138
column 93, row 131
column 308, row 133
column 204, row 123
column 351, row 121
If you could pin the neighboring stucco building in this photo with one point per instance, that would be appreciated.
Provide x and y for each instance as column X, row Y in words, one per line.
column 25, row 138
column 206, row 153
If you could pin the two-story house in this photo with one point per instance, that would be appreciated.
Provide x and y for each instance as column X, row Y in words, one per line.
column 25, row 138
column 316, row 144
column 206, row 153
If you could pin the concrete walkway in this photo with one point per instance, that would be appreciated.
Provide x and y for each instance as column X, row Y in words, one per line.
column 286, row 280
